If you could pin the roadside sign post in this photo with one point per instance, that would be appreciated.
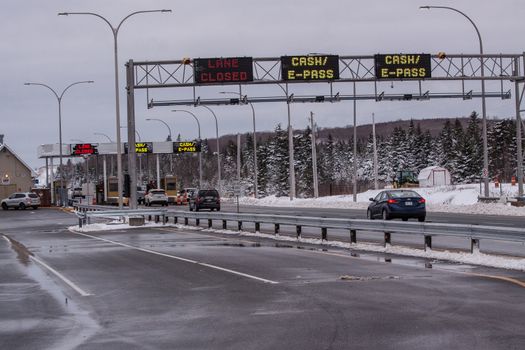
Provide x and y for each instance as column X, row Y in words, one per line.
column 237, row 190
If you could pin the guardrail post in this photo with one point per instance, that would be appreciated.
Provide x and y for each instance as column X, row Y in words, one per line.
column 224, row 224
column 388, row 238
column 157, row 219
column 164, row 219
column 276, row 229
column 428, row 243
column 149, row 217
column 474, row 245
column 257, row 227
column 353, row 236
column 210, row 223
column 239, row 226
column 186, row 221
column 197, row 222
column 298, row 230
column 80, row 222
column 324, row 233
column 175, row 219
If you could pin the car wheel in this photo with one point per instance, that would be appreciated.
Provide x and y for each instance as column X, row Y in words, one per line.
column 218, row 209
column 385, row 215
column 22, row 206
column 4, row 206
column 404, row 219
column 191, row 208
column 35, row 207
column 421, row 219
column 197, row 208
column 369, row 215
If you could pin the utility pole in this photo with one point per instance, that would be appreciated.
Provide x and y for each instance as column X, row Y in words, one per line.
column 239, row 158
column 376, row 186
column 314, row 156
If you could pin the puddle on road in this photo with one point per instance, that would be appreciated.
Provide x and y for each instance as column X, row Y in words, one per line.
column 376, row 257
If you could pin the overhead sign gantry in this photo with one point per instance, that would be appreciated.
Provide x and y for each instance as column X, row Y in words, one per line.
column 332, row 70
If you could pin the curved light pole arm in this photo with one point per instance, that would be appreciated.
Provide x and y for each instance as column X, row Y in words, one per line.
column 464, row 15
column 163, row 122
column 136, row 13
column 76, row 83
column 47, row 86
column 114, row 30
column 102, row 134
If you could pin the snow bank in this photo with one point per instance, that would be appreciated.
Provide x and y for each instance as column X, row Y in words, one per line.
column 449, row 199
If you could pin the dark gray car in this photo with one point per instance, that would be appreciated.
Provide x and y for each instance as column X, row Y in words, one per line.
column 205, row 199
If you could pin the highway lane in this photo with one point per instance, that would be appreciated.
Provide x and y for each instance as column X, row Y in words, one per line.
column 497, row 220
column 174, row 288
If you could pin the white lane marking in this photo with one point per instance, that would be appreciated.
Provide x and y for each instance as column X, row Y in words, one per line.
column 58, row 274
column 179, row 258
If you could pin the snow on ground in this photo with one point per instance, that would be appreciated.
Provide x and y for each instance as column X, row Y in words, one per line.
column 449, row 199
column 477, row 258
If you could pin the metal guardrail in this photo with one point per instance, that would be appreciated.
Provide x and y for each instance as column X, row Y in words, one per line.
column 86, row 212
column 427, row 230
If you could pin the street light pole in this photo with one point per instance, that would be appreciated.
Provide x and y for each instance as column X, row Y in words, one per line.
column 255, row 165
column 115, row 31
column 169, row 139
column 199, row 129
column 218, row 146
column 314, row 156
column 59, row 99
column 485, row 173
column 374, row 142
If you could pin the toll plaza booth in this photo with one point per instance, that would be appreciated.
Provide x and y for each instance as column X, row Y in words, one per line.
column 169, row 184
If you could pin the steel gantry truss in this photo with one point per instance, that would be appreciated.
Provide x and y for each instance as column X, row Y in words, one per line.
column 461, row 68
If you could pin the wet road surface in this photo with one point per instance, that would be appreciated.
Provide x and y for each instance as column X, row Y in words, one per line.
column 181, row 288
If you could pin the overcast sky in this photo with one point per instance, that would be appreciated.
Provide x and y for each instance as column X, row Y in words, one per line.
column 37, row 45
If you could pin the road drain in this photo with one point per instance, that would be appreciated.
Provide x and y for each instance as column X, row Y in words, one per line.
column 368, row 278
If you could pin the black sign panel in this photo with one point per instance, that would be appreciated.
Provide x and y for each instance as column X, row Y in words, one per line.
column 403, row 66
column 310, row 67
column 141, row 147
column 222, row 70
column 81, row 149
column 186, row 147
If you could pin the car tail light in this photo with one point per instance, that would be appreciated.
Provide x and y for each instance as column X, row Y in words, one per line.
column 422, row 200
column 28, row 200
column 198, row 199
column 392, row 201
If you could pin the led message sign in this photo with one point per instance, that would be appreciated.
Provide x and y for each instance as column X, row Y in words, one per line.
column 141, row 147
column 81, row 149
column 403, row 66
column 310, row 67
column 186, row 147
column 222, row 70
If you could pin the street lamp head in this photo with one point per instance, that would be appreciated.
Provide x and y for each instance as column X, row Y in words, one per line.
column 424, row 7
column 165, row 10
column 27, row 83
column 63, row 14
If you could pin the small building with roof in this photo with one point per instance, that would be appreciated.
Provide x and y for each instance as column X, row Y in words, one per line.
column 15, row 174
column 433, row 176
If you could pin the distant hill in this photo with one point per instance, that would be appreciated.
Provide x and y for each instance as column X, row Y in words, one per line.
column 363, row 131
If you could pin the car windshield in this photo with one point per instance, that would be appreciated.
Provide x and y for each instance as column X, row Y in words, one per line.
column 208, row 193
column 403, row 194
column 33, row 195
column 157, row 192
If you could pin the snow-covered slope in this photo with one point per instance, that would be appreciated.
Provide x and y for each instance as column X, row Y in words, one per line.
column 455, row 199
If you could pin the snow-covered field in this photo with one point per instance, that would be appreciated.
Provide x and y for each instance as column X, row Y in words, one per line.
column 450, row 199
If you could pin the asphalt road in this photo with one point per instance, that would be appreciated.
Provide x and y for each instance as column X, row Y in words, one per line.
column 181, row 288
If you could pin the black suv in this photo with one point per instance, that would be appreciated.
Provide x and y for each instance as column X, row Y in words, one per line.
column 205, row 199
